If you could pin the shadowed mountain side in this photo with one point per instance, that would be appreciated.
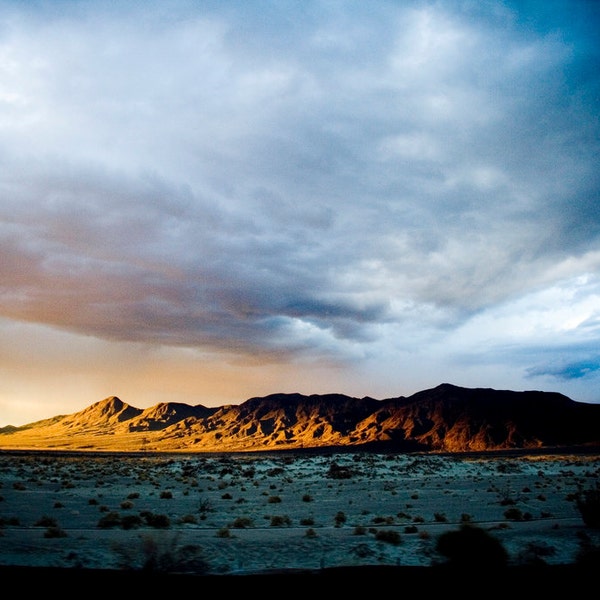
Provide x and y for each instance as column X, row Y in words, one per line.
column 446, row 418
column 454, row 419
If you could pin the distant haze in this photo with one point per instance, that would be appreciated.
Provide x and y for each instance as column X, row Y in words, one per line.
column 202, row 202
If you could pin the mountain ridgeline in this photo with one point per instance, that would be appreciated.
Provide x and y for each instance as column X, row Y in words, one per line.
column 446, row 418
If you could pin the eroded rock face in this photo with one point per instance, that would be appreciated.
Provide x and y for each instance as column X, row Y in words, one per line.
column 443, row 419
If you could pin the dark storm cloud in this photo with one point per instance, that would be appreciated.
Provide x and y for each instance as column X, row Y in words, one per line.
column 293, row 176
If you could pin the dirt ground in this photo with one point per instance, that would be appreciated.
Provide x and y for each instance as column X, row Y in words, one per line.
column 249, row 514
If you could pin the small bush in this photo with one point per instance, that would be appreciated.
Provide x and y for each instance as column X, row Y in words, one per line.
column 189, row 519
column 242, row 523
column 159, row 521
column 471, row 546
column 513, row 514
column 588, row 505
column 45, row 521
column 55, row 532
column 339, row 472
column 131, row 521
column 340, row 519
column 111, row 519
column 389, row 536
column 280, row 521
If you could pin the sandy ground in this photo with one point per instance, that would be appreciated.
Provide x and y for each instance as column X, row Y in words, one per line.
column 258, row 513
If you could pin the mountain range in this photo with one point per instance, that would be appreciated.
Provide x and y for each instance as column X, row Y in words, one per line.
column 446, row 418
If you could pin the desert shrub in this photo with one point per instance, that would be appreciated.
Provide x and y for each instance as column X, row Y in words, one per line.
column 440, row 517
column 389, row 536
column 58, row 505
column 223, row 532
column 377, row 520
column 166, row 495
column 126, row 504
column 411, row 529
column 273, row 499
column 242, row 523
column 55, row 532
column 275, row 471
column 226, row 496
column 359, row 530
column 163, row 556
column 111, row 519
column 336, row 471
column 514, row 514
column 159, row 521
column 471, row 546
column 307, row 521
column 362, row 551
column 131, row 521
column 189, row 519
column 307, row 498
column 205, row 506
column 92, row 501
column 340, row 519
column 45, row 521
column 280, row 521
column 133, row 496
column 587, row 502
column 310, row 533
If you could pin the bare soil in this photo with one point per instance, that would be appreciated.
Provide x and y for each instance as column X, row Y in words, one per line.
column 258, row 514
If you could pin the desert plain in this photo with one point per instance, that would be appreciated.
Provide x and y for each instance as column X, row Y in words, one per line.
column 257, row 513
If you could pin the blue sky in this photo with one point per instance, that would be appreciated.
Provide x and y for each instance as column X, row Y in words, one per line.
column 203, row 202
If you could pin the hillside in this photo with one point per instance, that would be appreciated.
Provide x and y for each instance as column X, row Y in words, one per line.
column 446, row 418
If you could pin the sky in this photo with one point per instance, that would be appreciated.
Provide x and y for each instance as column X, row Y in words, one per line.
column 203, row 202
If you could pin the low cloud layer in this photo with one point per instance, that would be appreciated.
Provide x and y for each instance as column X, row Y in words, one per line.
column 319, row 183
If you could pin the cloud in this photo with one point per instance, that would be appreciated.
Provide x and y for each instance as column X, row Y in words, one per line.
column 335, row 180
column 574, row 370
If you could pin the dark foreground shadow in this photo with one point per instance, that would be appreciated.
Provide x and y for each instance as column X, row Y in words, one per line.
column 353, row 581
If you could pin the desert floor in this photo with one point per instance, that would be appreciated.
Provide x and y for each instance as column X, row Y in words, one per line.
column 244, row 514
